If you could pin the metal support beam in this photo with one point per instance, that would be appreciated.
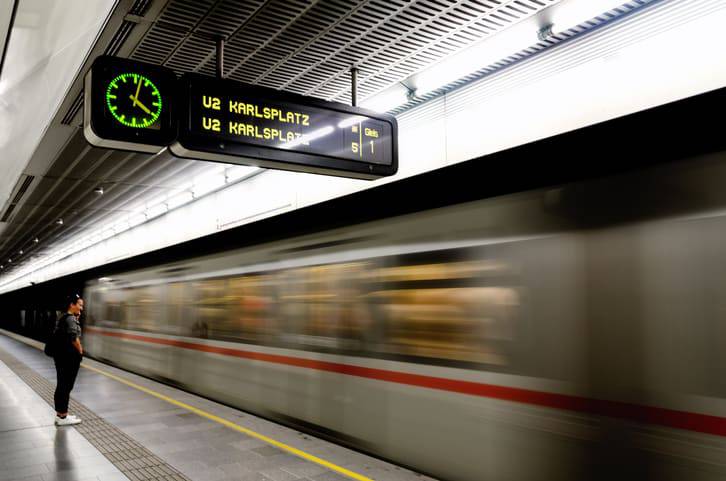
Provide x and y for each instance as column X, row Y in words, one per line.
column 354, row 86
column 220, row 57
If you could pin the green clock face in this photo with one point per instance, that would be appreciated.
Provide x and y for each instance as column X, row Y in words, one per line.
column 133, row 100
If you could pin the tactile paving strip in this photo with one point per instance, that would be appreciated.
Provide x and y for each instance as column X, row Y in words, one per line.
column 131, row 458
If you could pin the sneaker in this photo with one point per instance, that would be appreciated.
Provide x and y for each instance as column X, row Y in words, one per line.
column 69, row 420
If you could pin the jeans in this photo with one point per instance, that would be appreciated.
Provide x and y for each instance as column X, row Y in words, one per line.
column 66, row 368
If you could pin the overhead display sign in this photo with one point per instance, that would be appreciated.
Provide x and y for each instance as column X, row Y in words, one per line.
column 228, row 121
column 136, row 106
column 129, row 105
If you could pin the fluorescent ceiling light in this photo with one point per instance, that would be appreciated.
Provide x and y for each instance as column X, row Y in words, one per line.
column 237, row 172
column 137, row 219
column 156, row 210
column 180, row 199
column 208, row 183
column 121, row 227
column 487, row 52
column 571, row 13
column 387, row 100
column 491, row 50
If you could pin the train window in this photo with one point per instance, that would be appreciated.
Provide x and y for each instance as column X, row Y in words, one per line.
column 103, row 308
column 143, row 308
column 446, row 310
column 180, row 309
column 356, row 324
column 250, row 303
column 128, row 307
column 325, row 306
column 93, row 303
column 212, row 310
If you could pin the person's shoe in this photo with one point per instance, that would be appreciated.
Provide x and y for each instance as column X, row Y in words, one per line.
column 69, row 420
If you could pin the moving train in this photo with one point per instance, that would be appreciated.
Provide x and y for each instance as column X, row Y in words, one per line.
column 572, row 332
column 472, row 323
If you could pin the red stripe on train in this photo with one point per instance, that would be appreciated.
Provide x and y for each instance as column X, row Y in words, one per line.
column 702, row 423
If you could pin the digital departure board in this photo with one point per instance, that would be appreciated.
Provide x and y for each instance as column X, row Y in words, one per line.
column 129, row 105
column 229, row 121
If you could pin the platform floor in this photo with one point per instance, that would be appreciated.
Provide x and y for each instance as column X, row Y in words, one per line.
column 138, row 429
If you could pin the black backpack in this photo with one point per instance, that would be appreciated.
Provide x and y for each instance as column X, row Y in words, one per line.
column 51, row 345
column 49, row 348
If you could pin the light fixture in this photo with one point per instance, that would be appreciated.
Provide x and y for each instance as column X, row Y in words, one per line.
column 10, row 261
column 21, row 252
column 489, row 51
column 137, row 220
column 569, row 14
column 59, row 222
column 107, row 234
column 121, row 226
column 98, row 190
column 238, row 172
column 180, row 199
column 208, row 183
column 388, row 99
column 156, row 210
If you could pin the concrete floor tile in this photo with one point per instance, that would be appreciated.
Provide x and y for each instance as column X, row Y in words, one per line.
column 112, row 477
column 277, row 474
column 330, row 476
column 304, row 469
column 26, row 471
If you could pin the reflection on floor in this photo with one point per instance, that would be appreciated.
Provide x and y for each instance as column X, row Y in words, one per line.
column 33, row 449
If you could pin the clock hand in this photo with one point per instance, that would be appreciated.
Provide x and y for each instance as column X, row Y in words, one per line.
column 137, row 102
column 135, row 98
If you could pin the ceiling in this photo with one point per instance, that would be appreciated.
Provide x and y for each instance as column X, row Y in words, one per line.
column 307, row 47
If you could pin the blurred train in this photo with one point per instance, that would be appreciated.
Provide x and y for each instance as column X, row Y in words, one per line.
column 443, row 322
column 568, row 333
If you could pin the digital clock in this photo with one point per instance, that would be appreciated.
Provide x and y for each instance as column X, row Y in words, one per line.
column 129, row 105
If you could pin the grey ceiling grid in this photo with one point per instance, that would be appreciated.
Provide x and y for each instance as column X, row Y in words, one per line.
column 309, row 47
column 303, row 46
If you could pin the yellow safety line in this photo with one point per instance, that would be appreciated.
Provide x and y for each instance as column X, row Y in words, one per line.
column 236, row 427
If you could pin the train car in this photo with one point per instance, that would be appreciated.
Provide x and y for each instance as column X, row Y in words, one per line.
column 564, row 333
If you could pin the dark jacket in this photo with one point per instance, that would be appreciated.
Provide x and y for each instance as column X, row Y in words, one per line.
column 67, row 330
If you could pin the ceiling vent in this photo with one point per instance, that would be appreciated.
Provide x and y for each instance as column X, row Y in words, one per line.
column 138, row 9
column 73, row 110
column 20, row 188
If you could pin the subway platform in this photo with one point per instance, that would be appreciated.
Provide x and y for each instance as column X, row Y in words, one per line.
column 138, row 429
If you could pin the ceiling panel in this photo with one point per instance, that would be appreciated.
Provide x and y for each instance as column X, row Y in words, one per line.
column 306, row 47
column 309, row 47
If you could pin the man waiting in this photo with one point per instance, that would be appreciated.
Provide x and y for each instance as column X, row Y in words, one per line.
column 67, row 357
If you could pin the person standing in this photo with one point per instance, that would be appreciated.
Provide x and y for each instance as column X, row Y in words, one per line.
column 67, row 356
